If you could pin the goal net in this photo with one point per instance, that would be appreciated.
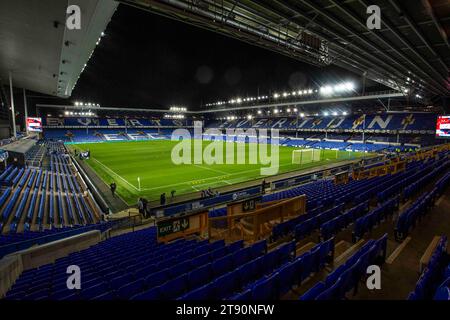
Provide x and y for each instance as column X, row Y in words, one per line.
column 304, row 156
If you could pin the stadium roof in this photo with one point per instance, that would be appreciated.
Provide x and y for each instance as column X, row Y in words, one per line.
column 39, row 51
column 410, row 51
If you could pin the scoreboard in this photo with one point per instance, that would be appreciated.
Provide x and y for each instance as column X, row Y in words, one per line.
column 443, row 127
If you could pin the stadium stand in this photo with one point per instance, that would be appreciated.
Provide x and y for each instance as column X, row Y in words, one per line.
column 40, row 204
column 399, row 126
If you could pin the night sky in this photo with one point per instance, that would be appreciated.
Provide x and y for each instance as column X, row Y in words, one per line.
column 146, row 60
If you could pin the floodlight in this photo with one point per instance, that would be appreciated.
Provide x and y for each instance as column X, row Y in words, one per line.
column 326, row 90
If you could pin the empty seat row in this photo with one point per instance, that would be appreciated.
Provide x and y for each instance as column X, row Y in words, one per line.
column 434, row 279
column 374, row 217
column 414, row 213
column 306, row 227
column 267, row 277
column 346, row 277
column 331, row 227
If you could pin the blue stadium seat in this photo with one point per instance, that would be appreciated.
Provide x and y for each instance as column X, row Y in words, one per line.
column 242, row 296
column 235, row 246
column 94, row 291
column 443, row 293
column 200, row 276
column 219, row 253
column 203, row 293
column 331, row 293
column 179, row 269
column 287, row 275
column 130, row 289
column 151, row 294
column 305, row 264
column 266, row 288
column 226, row 285
column 250, row 271
column 335, row 275
column 242, row 256
column 259, row 248
column 222, row 265
column 200, row 261
column 175, row 288
column 313, row 292
column 121, row 281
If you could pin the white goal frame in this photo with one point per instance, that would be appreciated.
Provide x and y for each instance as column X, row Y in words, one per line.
column 308, row 155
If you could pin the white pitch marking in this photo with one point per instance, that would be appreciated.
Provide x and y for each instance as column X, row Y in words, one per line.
column 114, row 173
column 211, row 169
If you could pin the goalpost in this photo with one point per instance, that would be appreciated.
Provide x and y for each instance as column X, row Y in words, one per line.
column 303, row 156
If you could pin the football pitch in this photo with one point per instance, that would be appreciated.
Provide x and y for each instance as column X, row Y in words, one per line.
column 145, row 168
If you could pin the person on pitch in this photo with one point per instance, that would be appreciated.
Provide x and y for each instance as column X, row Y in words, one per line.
column 113, row 188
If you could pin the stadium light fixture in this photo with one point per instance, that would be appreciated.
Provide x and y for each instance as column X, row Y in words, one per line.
column 238, row 100
column 285, row 94
column 326, row 114
column 295, row 110
column 276, row 95
column 349, row 86
column 275, row 111
column 249, row 117
column 288, row 110
column 326, row 90
column 259, row 111
column 344, row 113
column 335, row 113
column 310, row 91
column 302, row 115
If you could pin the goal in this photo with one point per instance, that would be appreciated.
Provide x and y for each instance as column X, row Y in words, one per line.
column 304, row 156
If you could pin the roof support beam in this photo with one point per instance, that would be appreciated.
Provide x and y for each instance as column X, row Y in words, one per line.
column 416, row 30
column 386, row 43
column 369, row 56
column 398, row 67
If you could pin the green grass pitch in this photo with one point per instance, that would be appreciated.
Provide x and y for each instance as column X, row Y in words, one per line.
column 124, row 162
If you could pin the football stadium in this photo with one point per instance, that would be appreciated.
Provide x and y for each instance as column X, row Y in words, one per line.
column 204, row 150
